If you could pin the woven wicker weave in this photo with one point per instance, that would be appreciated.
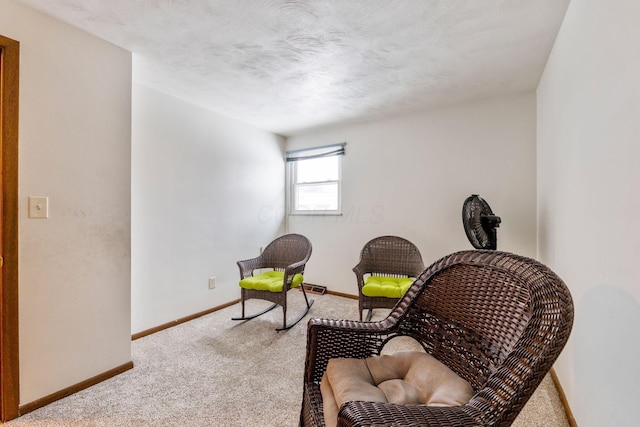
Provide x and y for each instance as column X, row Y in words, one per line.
column 288, row 253
column 386, row 256
column 496, row 319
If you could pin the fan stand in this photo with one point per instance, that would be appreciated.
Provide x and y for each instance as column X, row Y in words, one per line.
column 491, row 222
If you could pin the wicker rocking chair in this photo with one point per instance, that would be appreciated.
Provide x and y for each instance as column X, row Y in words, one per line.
column 390, row 257
column 285, row 258
column 497, row 320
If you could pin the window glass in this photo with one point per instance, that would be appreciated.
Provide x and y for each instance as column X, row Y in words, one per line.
column 314, row 170
column 315, row 185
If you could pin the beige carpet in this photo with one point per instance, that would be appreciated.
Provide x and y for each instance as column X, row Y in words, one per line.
column 213, row 371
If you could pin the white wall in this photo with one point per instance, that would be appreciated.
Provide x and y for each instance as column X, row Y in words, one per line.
column 588, row 203
column 206, row 192
column 409, row 176
column 74, row 147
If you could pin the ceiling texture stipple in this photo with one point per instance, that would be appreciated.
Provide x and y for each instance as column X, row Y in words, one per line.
column 287, row 66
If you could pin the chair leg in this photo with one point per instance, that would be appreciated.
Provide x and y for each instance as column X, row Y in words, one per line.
column 243, row 317
column 300, row 317
column 369, row 315
column 284, row 314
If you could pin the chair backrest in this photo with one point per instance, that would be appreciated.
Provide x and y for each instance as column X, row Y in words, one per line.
column 498, row 320
column 286, row 250
column 391, row 255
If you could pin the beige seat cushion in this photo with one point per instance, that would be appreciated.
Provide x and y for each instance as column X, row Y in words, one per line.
column 406, row 377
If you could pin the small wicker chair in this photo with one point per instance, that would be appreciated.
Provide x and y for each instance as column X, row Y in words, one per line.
column 288, row 254
column 496, row 319
column 386, row 256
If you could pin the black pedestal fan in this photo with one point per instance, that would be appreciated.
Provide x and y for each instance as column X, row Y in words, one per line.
column 480, row 223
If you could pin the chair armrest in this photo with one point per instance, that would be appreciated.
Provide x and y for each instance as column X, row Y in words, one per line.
column 290, row 271
column 360, row 271
column 328, row 338
column 376, row 413
column 248, row 265
column 296, row 267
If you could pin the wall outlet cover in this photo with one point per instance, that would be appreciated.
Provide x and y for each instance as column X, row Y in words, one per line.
column 38, row 207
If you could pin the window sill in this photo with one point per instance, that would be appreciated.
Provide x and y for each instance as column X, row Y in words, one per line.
column 315, row 213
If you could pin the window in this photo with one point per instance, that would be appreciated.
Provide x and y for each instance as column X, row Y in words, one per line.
column 315, row 180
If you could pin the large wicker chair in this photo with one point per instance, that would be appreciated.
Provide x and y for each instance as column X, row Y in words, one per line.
column 497, row 320
column 389, row 256
column 287, row 254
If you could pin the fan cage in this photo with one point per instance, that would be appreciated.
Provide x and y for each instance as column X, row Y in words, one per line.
column 480, row 223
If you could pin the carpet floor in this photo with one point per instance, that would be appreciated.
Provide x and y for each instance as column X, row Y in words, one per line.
column 213, row 371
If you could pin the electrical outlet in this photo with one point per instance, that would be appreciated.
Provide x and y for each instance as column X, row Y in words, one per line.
column 212, row 282
column 38, row 207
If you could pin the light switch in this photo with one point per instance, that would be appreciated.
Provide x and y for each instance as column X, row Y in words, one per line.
column 38, row 207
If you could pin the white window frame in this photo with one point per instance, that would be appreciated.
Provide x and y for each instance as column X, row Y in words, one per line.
column 336, row 150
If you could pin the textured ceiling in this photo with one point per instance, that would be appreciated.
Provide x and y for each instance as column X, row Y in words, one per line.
column 290, row 65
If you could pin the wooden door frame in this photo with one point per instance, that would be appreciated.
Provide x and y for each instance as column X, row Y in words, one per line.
column 9, row 344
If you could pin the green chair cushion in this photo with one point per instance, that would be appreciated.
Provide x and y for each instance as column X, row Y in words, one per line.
column 269, row 281
column 383, row 286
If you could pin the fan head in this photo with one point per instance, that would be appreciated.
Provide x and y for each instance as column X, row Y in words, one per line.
column 480, row 223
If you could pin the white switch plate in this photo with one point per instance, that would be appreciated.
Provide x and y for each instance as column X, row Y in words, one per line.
column 212, row 282
column 38, row 207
